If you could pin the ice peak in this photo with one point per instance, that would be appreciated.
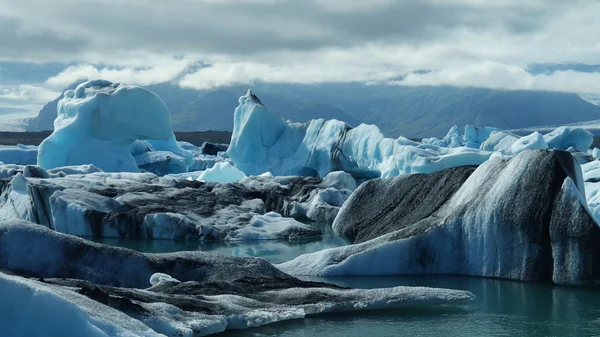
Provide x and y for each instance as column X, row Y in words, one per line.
column 254, row 98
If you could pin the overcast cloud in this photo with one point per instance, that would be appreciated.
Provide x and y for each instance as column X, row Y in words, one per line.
column 463, row 42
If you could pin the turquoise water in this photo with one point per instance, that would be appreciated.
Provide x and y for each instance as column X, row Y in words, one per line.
column 502, row 308
column 271, row 250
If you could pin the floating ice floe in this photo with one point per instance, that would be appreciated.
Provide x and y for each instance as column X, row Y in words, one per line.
column 83, row 288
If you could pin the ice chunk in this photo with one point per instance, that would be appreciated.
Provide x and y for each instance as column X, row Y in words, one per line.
column 272, row 226
column 453, row 138
column 500, row 141
column 475, row 136
column 564, row 137
column 66, row 170
column 222, row 172
column 161, row 162
column 340, row 180
column 156, row 278
column 19, row 155
column 534, row 141
column 162, row 157
column 98, row 122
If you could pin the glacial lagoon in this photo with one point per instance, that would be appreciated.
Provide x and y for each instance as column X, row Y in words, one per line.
column 501, row 308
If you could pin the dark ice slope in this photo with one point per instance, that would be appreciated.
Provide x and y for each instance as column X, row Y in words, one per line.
column 520, row 218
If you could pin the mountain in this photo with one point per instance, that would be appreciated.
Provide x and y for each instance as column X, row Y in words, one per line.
column 397, row 110
column 431, row 111
column 548, row 68
column 44, row 121
column 193, row 110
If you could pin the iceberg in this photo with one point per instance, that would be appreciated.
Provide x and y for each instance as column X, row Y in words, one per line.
column 522, row 218
column 263, row 141
column 97, row 124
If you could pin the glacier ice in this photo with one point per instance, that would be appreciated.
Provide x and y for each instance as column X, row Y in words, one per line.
column 97, row 123
column 523, row 218
column 263, row 141
column 143, row 205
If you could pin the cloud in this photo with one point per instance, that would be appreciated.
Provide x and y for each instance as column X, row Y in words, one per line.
column 145, row 76
column 28, row 93
column 130, row 32
column 223, row 74
column 501, row 76
column 464, row 42
column 24, row 99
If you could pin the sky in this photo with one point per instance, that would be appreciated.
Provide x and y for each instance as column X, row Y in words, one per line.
column 203, row 44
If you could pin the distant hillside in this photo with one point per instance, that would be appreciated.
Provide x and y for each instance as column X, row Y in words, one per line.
column 45, row 119
column 409, row 111
column 431, row 111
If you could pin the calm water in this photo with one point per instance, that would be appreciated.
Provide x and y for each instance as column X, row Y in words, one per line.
column 502, row 308
column 272, row 251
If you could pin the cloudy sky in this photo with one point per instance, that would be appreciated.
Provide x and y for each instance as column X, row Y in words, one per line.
column 46, row 45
